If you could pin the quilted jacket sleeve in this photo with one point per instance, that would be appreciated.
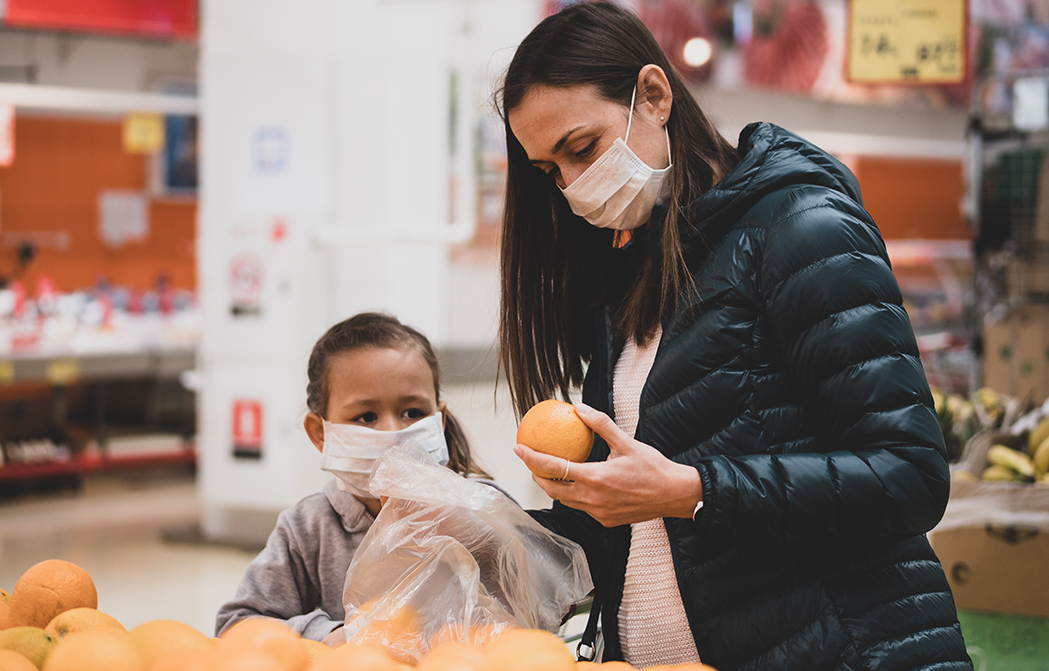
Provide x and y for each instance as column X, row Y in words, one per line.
column 835, row 310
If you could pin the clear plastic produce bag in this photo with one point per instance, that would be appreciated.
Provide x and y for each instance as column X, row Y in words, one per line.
column 453, row 558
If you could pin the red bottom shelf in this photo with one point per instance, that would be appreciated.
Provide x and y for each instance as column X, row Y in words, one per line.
column 87, row 464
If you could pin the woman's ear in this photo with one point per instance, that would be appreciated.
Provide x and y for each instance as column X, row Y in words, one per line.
column 314, row 426
column 442, row 408
column 653, row 90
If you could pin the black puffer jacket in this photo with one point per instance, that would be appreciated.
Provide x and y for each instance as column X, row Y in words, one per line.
column 792, row 383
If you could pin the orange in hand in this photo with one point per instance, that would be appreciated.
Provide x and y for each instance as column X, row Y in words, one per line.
column 554, row 427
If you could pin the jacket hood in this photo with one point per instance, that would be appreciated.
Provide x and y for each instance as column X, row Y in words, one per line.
column 770, row 158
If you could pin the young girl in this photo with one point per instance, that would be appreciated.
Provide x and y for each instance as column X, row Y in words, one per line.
column 373, row 383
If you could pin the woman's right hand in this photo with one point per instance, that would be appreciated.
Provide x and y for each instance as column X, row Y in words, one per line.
column 636, row 483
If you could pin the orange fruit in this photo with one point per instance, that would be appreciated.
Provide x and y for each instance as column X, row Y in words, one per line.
column 182, row 659
column 238, row 658
column 105, row 649
column 453, row 656
column 528, row 650
column 156, row 638
column 554, row 427
column 77, row 620
column 48, row 589
column 359, row 657
column 460, row 632
column 32, row 642
column 400, row 630
column 315, row 649
column 5, row 615
column 5, row 597
column 270, row 637
column 14, row 661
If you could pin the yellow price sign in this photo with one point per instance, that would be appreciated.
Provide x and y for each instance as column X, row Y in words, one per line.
column 7, row 372
column 62, row 371
column 906, row 41
column 143, row 133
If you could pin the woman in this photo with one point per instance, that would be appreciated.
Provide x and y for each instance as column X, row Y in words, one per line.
column 761, row 499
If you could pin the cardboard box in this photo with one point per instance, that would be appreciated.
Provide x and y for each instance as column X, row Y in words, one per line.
column 996, row 569
column 993, row 539
column 1016, row 353
column 1005, row 642
column 1029, row 275
column 997, row 356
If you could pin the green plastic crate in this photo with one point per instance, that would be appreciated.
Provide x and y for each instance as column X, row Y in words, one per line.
column 1006, row 642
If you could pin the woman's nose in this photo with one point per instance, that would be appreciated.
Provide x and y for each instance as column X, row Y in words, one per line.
column 567, row 176
column 389, row 423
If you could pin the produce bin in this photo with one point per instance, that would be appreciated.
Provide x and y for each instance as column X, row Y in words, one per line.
column 999, row 642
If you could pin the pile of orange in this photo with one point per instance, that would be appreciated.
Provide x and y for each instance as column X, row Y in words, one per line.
column 50, row 622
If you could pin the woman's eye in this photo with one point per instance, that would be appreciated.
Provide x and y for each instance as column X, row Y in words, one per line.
column 414, row 413
column 553, row 172
column 366, row 418
column 585, row 151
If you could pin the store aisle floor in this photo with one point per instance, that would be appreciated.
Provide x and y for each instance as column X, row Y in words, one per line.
column 115, row 529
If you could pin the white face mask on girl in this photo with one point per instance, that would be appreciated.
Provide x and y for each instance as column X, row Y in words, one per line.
column 350, row 450
column 619, row 189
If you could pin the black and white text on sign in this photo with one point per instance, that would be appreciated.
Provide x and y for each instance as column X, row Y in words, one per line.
column 906, row 41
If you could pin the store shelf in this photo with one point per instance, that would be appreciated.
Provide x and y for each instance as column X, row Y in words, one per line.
column 62, row 368
column 94, row 463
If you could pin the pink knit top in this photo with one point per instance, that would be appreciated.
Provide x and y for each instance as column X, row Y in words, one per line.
column 652, row 623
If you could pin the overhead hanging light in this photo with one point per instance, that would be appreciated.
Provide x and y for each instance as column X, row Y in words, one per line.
column 697, row 52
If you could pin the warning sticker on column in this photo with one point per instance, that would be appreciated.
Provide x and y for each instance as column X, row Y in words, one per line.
column 245, row 284
column 906, row 41
column 247, row 429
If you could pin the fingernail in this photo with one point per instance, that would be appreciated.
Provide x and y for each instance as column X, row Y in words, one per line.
column 517, row 450
column 583, row 408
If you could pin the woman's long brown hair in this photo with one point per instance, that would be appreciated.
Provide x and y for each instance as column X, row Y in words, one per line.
column 549, row 256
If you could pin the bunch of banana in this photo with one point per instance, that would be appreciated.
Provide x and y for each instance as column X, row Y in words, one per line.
column 990, row 406
column 939, row 400
column 1041, row 461
column 1037, row 436
column 1009, row 465
column 958, row 421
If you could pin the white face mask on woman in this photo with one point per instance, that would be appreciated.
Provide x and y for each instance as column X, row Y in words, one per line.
column 350, row 451
column 619, row 189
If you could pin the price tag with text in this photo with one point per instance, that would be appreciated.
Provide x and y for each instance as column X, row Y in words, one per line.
column 906, row 41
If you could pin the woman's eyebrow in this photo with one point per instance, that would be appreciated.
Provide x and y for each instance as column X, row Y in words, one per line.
column 560, row 143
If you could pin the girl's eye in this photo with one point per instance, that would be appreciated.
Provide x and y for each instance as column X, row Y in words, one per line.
column 367, row 418
column 553, row 172
column 585, row 151
column 414, row 413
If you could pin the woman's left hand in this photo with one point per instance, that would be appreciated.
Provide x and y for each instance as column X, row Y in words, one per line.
column 636, row 483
